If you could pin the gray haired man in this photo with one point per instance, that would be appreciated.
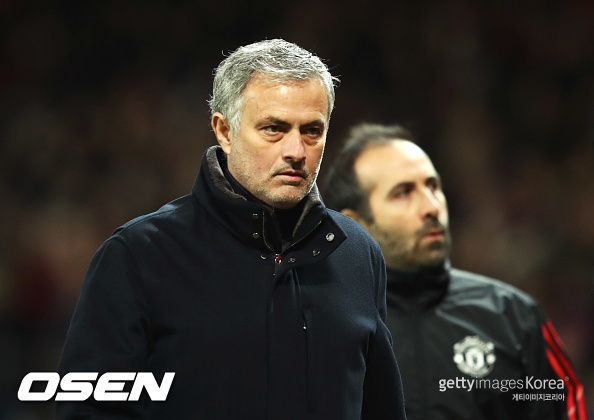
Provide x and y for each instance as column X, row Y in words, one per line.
column 265, row 304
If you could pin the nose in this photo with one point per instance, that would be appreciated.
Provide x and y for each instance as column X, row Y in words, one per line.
column 293, row 146
column 430, row 204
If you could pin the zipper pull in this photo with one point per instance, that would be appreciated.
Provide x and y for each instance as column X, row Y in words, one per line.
column 277, row 258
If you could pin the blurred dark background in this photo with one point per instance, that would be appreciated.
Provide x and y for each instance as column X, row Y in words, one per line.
column 103, row 117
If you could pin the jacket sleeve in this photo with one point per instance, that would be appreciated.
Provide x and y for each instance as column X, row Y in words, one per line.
column 108, row 331
column 383, row 397
column 549, row 361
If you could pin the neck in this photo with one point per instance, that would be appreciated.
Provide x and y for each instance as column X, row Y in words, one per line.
column 417, row 279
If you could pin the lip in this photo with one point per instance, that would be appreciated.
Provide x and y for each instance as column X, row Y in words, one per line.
column 292, row 175
column 433, row 234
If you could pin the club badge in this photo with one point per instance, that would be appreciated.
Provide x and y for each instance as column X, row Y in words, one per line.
column 474, row 356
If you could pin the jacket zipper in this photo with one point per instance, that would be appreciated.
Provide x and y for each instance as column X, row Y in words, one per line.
column 309, row 394
column 306, row 322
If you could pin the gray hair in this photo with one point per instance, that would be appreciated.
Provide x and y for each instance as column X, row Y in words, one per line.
column 278, row 61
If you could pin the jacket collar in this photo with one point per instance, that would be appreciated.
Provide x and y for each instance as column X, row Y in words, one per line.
column 248, row 218
column 413, row 291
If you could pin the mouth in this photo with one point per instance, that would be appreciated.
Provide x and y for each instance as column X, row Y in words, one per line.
column 291, row 176
column 433, row 234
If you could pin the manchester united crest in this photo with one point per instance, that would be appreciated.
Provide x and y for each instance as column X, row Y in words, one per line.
column 474, row 356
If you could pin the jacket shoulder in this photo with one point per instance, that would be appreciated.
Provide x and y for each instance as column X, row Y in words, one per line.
column 172, row 214
column 467, row 283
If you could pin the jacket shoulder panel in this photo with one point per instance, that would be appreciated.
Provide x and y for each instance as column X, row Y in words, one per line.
column 465, row 282
column 495, row 302
column 171, row 214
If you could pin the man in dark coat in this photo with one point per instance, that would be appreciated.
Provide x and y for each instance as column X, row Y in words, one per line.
column 260, row 301
column 469, row 347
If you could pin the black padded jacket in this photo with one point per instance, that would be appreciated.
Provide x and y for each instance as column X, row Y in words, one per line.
column 250, row 331
column 473, row 348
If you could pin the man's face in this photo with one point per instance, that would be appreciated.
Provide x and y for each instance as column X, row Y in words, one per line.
column 277, row 151
column 410, row 216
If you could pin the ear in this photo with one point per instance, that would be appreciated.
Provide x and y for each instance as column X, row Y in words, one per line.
column 222, row 130
column 355, row 216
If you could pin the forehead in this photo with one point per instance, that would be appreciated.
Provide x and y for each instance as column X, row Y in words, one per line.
column 263, row 95
column 392, row 163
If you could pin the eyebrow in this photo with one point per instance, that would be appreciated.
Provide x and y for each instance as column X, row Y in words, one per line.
column 399, row 186
column 402, row 184
column 314, row 123
column 278, row 121
column 273, row 120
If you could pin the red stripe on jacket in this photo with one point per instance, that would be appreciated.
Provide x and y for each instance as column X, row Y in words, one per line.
column 576, row 407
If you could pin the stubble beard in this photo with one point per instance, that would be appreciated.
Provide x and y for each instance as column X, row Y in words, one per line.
column 402, row 251
column 283, row 196
column 282, row 200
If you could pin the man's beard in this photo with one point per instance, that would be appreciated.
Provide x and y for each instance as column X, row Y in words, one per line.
column 402, row 251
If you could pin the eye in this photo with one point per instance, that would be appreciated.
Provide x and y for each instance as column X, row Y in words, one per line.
column 273, row 129
column 402, row 191
column 314, row 131
column 434, row 184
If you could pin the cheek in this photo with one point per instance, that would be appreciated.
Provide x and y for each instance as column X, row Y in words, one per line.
column 393, row 235
column 318, row 161
column 318, row 151
column 400, row 228
column 267, row 160
column 244, row 162
column 444, row 216
column 249, row 147
column 255, row 160
column 392, row 218
column 403, row 227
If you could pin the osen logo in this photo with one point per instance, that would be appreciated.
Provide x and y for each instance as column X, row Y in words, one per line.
column 80, row 386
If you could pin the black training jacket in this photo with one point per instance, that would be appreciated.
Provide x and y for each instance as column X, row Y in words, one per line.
column 195, row 289
column 451, row 327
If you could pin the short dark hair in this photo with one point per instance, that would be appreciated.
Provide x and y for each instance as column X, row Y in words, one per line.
column 342, row 189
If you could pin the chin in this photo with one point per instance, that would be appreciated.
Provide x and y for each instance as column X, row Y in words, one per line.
column 288, row 200
column 431, row 258
column 285, row 202
column 434, row 263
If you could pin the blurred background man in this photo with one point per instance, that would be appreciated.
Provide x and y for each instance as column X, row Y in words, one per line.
column 450, row 326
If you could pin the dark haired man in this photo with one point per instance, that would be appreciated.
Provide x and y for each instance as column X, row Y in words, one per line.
column 469, row 347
